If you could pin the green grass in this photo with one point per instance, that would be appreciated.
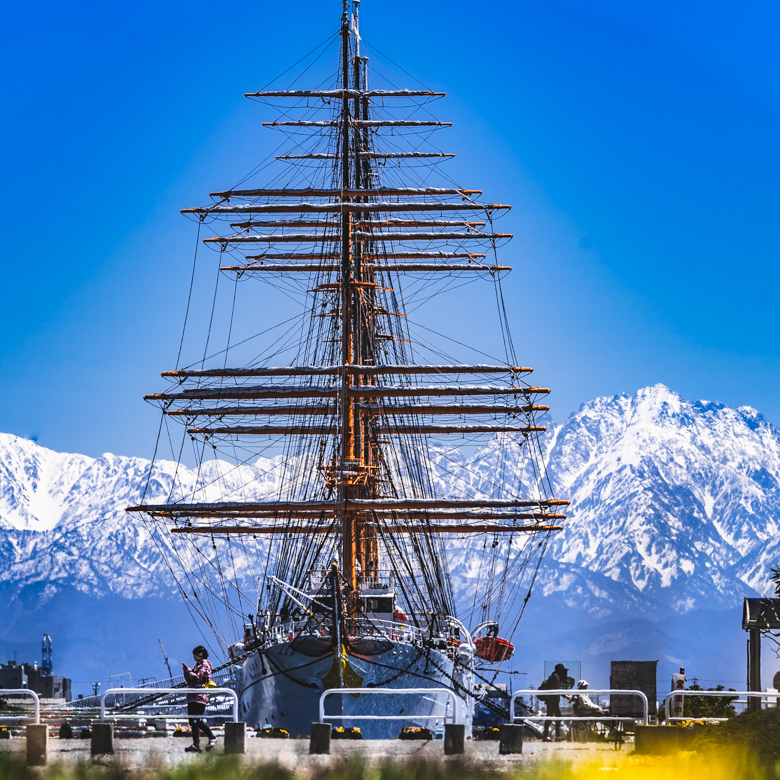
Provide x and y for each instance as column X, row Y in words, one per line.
column 726, row 763
column 758, row 733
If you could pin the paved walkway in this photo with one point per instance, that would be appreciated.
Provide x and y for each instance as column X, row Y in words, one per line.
column 294, row 753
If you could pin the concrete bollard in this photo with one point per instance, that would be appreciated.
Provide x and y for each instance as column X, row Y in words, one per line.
column 656, row 740
column 454, row 739
column 102, row 742
column 37, row 744
column 319, row 742
column 235, row 738
column 510, row 739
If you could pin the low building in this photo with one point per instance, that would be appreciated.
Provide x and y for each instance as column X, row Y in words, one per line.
column 13, row 675
column 46, row 684
column 34, row 678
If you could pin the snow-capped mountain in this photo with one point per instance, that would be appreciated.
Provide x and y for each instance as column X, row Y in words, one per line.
column 674, row 511
column 675, row 500
column 63, row 519
column 62, row 522
column 672, row 500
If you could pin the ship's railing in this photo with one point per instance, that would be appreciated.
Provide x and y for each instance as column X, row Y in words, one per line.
column 377, row 580
column 287, row 632
column 387, row 692
column 575, row 692
column 406, row 631
column 398, row 630
column 22, row 692
column 395, row 630
column 283, row 632
column 771, row 700
column 179, row 692
column 381, row 579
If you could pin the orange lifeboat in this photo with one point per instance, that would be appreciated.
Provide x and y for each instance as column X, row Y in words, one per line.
column 493, row 649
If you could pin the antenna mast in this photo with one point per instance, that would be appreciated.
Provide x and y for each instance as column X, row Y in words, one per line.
column 165, row 658
column 46, row 663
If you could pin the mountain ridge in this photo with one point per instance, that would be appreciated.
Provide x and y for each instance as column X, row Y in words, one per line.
column 674, row 507
column 663, row 491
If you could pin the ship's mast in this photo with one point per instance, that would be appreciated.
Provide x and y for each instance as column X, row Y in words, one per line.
column 365, row 308
column 363, row 398
column 348, row 449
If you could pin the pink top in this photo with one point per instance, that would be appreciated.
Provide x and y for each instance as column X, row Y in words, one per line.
column 197, row 677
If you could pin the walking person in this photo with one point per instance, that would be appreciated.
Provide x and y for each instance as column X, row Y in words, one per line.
column 198, row 677
column 557, row 680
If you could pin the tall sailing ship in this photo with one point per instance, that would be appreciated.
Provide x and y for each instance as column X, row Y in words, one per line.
column 318, row 539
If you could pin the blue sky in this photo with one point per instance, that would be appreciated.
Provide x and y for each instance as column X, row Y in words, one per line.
column 637, row 142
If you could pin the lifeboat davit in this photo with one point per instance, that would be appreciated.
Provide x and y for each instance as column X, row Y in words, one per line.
column 493, row 649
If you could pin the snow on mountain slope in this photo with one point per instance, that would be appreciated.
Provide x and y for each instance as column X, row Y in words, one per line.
column 674, row 506
column 35, row 483
column 671, row 499
column 63, row 519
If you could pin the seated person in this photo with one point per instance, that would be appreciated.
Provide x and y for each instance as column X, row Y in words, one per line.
column 583, row 705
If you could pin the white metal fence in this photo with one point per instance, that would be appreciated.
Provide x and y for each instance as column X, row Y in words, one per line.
column 162, row 693
column 667, row 703
column 385, row 692
column 575, row 692
column 22, row 692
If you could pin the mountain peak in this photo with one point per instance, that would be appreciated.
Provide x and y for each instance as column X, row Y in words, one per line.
column 669, row 495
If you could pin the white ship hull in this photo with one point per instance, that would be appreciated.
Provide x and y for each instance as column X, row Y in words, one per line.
column 282, row 687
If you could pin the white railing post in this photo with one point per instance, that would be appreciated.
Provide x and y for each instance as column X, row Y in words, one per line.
column 153, row 692
column 575, row 692
column 389, row 691
column 23, row 692
column 722, row 694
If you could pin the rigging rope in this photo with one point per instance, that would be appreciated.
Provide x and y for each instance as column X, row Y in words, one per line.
column 407, row 465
